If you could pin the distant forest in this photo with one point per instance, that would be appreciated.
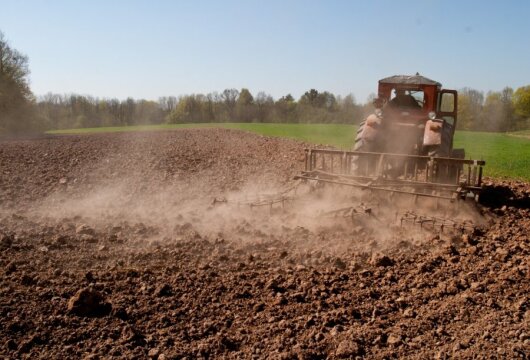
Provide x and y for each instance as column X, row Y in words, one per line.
column 493, row 111
column 21, row 111
column 231, row 105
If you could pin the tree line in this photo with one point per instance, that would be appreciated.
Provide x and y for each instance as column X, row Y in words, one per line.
column 496, row 111
column 504, row 110
column 21, row 111
column 72, row 111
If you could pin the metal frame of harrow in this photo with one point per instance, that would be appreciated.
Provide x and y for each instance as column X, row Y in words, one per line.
column 419, row 174
column 425, row 222
column 349, row 212
column 433, row 222
column 258, row 201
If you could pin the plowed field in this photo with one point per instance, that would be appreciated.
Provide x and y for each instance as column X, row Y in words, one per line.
column 112, row 247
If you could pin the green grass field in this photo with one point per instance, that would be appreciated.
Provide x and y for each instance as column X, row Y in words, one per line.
column 506, row 155
column 522, row 133
column 340, row 136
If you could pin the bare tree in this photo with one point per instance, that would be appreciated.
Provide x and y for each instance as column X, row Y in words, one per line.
column 229, row 98
column 168, row 103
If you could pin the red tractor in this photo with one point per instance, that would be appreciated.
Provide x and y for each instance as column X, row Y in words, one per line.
column 413, row 115
column 405, row 146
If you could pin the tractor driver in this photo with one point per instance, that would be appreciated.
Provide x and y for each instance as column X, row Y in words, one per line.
column 404, row 100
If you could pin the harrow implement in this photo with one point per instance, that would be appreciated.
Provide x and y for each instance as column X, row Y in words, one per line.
column 356, row 213
column 260, row 200
column 348, row 212
column 435, row 223
column 421, row 176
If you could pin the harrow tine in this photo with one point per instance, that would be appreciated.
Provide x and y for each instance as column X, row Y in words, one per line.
column 433, row 223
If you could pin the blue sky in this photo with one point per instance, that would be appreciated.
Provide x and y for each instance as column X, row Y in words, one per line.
column 147, row 49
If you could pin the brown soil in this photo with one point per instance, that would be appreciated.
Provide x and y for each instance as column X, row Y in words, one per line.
column 110, row 247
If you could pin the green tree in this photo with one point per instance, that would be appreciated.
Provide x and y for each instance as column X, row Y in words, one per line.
column 285, row 109
column 317, row 107
column 327, row 100
column 470, row 102
column 310, row 97
column 521, row 104
column 191, row 109
column 245, row 109
column 16, row 99
column 287, row 98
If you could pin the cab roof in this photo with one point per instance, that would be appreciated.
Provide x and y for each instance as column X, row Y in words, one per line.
column 409, row 80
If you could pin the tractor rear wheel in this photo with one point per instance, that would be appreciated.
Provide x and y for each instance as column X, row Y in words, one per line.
column 361, row 164
column 361, row 144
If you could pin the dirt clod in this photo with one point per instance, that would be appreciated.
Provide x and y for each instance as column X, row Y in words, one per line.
column 163, row 290
column 382, row 260
column 88, row 302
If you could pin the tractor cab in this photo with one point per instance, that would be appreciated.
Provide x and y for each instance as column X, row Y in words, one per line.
column 414, row 92
column 414, row 115
column 418, row 93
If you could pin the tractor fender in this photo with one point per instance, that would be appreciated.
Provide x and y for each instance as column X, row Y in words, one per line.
column 370, row 128
column 433, row 132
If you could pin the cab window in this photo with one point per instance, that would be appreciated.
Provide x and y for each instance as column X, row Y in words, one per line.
column 447, row 102
column 407, row 98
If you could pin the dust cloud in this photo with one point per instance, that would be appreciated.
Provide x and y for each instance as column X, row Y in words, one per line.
column 221, row 186
column 331, row 219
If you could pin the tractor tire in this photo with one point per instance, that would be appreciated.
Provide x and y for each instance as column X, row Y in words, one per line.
column 360, row 144
column 361, row 165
